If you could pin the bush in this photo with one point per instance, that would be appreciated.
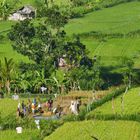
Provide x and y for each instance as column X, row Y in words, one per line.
column 82, row 113
column 8, row 122
column 11, row 122
column 77, row 12
column 48, row 126
column 69, row 118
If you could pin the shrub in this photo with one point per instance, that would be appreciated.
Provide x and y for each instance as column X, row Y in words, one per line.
column 77, row 12
column 11, row 122
column 48, row 126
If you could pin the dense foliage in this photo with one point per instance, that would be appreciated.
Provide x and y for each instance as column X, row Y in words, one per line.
column 47, row 43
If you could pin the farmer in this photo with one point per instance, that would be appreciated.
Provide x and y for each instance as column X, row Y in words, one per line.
column 33, row 107
column 19, row 112
column 39, row 108
column 25, row 110
column 22, row 105
column 48, row 105
column 73, row 107
column 29, row 106
column 18, row 109
column 51, row 104
column 57, row 111
column 34, row 101
column 19, row 105
column 78, row 102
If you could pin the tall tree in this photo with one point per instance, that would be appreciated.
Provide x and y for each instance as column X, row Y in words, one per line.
column 56, row 17
column 6, row 73
column 45, row 46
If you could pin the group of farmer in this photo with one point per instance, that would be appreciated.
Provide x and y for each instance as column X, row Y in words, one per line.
column 33, row 107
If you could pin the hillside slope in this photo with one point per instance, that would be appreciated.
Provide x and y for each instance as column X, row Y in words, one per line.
column 112, row 50
column 122, row 18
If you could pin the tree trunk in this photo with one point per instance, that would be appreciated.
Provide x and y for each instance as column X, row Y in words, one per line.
column 7, row 85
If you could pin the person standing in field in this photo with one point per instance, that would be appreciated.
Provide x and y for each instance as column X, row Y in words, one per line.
column 33, row 106
column 29, row 106
column 18, row 109
column 22, row 105
column 51, row 104
column 78, row 102
column 73, row 107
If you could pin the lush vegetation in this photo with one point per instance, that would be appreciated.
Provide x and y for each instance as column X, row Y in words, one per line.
column 110, row 20
column 72, row 45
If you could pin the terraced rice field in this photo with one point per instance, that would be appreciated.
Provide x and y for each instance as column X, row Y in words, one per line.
column 129, row 107
column 113, row 49
column 12, row 135
column 118, row 19
column 102, row 130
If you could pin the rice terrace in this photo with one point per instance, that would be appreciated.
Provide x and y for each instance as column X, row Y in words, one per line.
column 69, row 69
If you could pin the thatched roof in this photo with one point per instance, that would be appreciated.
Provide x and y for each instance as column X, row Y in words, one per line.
column 26, row 10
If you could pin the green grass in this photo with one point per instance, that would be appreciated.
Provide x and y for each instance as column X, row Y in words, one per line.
column 7, row 51
column 103, row 130
column 131, row 106
column 118, row 19
column 9, row 106
column 5, row 25
column 113, row 49
column 12, row 135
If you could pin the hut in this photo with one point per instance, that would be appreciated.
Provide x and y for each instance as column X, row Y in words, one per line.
column 26, row 12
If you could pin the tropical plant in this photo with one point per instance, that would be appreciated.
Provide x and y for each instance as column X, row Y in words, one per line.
column 56, row 18
column 6, row 72
column 6, row 8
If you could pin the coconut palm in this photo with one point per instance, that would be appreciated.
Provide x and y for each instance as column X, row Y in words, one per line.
column 6, row 72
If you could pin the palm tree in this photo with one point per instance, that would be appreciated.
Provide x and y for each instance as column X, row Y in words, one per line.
column 6, row 72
